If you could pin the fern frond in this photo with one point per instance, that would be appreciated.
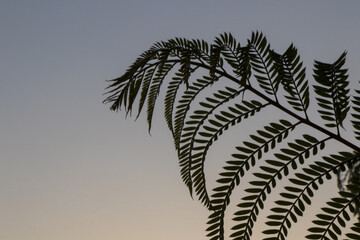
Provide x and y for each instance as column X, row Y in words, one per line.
column 119, row 87
column 262, row 63
column 202, row 47
column 154, row 90
column 215, row 59
column 230, row 49
column 332, row 219
column 303, row 187
column 184, row 105
column 188, row 140
column 211, row 132
column 170, row 97
column 292, row 206
column 247, row 157
column 266, row 181
column 356, row 116
column 195, row 131
column 244, row 70
column 332, row 92
column 291, row 74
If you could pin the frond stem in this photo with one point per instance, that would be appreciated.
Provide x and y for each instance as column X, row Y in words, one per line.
column 282, row 108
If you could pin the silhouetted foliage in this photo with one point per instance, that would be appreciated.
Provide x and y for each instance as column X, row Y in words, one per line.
column 254, row 77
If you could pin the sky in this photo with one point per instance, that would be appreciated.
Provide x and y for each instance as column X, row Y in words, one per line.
column 70, row 169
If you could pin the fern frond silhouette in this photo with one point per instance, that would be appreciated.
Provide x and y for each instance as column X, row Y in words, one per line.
column 254, row 77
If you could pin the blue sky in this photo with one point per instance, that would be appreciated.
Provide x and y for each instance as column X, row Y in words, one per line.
column 70, row 168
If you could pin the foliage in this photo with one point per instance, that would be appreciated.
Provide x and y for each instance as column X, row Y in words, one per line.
column 244, row 81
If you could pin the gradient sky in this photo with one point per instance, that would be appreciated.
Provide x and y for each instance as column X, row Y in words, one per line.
column 70, row 169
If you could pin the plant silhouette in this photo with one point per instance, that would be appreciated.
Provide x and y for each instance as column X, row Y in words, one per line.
column 239, row 82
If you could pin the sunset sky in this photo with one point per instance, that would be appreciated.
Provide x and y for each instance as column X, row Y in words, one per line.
column 70, row 169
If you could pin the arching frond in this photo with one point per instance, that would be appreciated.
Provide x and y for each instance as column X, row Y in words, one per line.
column 266, row 181
column 239, row 81
column 234, row 170
column 184, row 104
column 299, row 194
column 210, row 134
column 190, row 158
